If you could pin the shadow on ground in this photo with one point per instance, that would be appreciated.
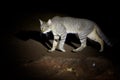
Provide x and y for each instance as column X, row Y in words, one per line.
column 85, row 65
column 44, row 39
column 35, row 35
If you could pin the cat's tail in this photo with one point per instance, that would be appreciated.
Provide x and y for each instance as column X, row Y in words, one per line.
column 101, row 34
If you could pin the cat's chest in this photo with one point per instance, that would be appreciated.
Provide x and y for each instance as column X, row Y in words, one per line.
column 58, row 30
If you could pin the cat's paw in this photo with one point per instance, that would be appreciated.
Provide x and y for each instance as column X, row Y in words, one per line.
column 51, row 50
column 63, row 50
column 74, row 50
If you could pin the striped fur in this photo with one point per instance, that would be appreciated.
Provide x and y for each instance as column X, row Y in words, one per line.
column 61, row 26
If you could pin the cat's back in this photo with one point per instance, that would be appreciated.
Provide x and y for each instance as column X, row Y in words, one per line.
column 72, row 24
column 71, row 20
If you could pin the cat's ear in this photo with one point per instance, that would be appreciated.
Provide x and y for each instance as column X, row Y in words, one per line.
column 49, row 22
column 41, row 22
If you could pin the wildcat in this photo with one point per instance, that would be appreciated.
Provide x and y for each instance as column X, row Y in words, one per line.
column 61, row 26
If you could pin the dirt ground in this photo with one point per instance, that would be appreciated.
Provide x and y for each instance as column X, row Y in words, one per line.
column 28, row 58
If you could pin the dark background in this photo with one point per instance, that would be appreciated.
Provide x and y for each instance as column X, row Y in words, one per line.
column 105, row 14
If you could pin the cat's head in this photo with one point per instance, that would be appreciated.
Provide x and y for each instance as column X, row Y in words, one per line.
column 45, row 26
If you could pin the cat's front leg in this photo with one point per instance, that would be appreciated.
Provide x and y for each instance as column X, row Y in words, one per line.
column 55, row 42
column 62, row 42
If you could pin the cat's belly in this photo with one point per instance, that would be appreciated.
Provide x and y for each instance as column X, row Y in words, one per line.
column 73, row 31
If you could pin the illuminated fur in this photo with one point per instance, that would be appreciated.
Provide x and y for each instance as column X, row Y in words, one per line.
column 61, row 26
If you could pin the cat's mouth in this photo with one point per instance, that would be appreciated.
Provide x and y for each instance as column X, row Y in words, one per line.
column 46, row 31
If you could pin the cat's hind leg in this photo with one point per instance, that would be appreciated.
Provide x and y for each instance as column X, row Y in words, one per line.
column 94, row 36
column 83, row 45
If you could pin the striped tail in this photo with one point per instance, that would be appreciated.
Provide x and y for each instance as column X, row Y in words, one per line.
column 101, row 34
